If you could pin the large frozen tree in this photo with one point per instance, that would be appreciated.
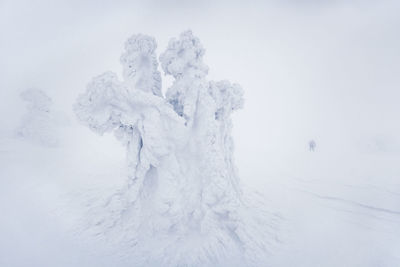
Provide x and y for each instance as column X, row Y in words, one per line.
column 183, row 204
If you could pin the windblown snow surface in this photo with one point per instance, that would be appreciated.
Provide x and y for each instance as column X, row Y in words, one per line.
column 349, row 216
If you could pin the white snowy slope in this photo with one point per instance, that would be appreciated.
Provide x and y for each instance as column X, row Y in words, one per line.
column 340, row 210
column 337, row 212
column 38, row 184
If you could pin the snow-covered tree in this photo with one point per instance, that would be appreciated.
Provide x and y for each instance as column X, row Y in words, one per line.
column 183, row 204
column 38, row 124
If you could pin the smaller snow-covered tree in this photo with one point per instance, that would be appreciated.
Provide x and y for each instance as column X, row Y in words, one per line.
column 38, row 124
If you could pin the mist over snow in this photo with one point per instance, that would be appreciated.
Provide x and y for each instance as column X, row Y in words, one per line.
column 199, row 133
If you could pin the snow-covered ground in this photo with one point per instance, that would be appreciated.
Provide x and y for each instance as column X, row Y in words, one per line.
column 38, row 188
column 342, row 211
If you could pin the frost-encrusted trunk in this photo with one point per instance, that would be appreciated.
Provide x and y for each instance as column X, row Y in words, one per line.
column 183, row 203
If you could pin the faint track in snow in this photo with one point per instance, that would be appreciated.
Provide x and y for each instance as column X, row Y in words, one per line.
column 373, row 187
column 354, row 203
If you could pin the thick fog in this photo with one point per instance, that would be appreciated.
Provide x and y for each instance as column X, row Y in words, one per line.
column 311, row 69
column 326, row 71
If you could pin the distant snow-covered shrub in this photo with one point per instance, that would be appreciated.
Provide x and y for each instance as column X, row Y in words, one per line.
column 38, row 125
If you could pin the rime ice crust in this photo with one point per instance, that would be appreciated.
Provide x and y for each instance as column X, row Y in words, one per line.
column 183, row 204
column 95, row 106
column 184, row 56
column 140, row 64
column 183, row 59
column 36, row 99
